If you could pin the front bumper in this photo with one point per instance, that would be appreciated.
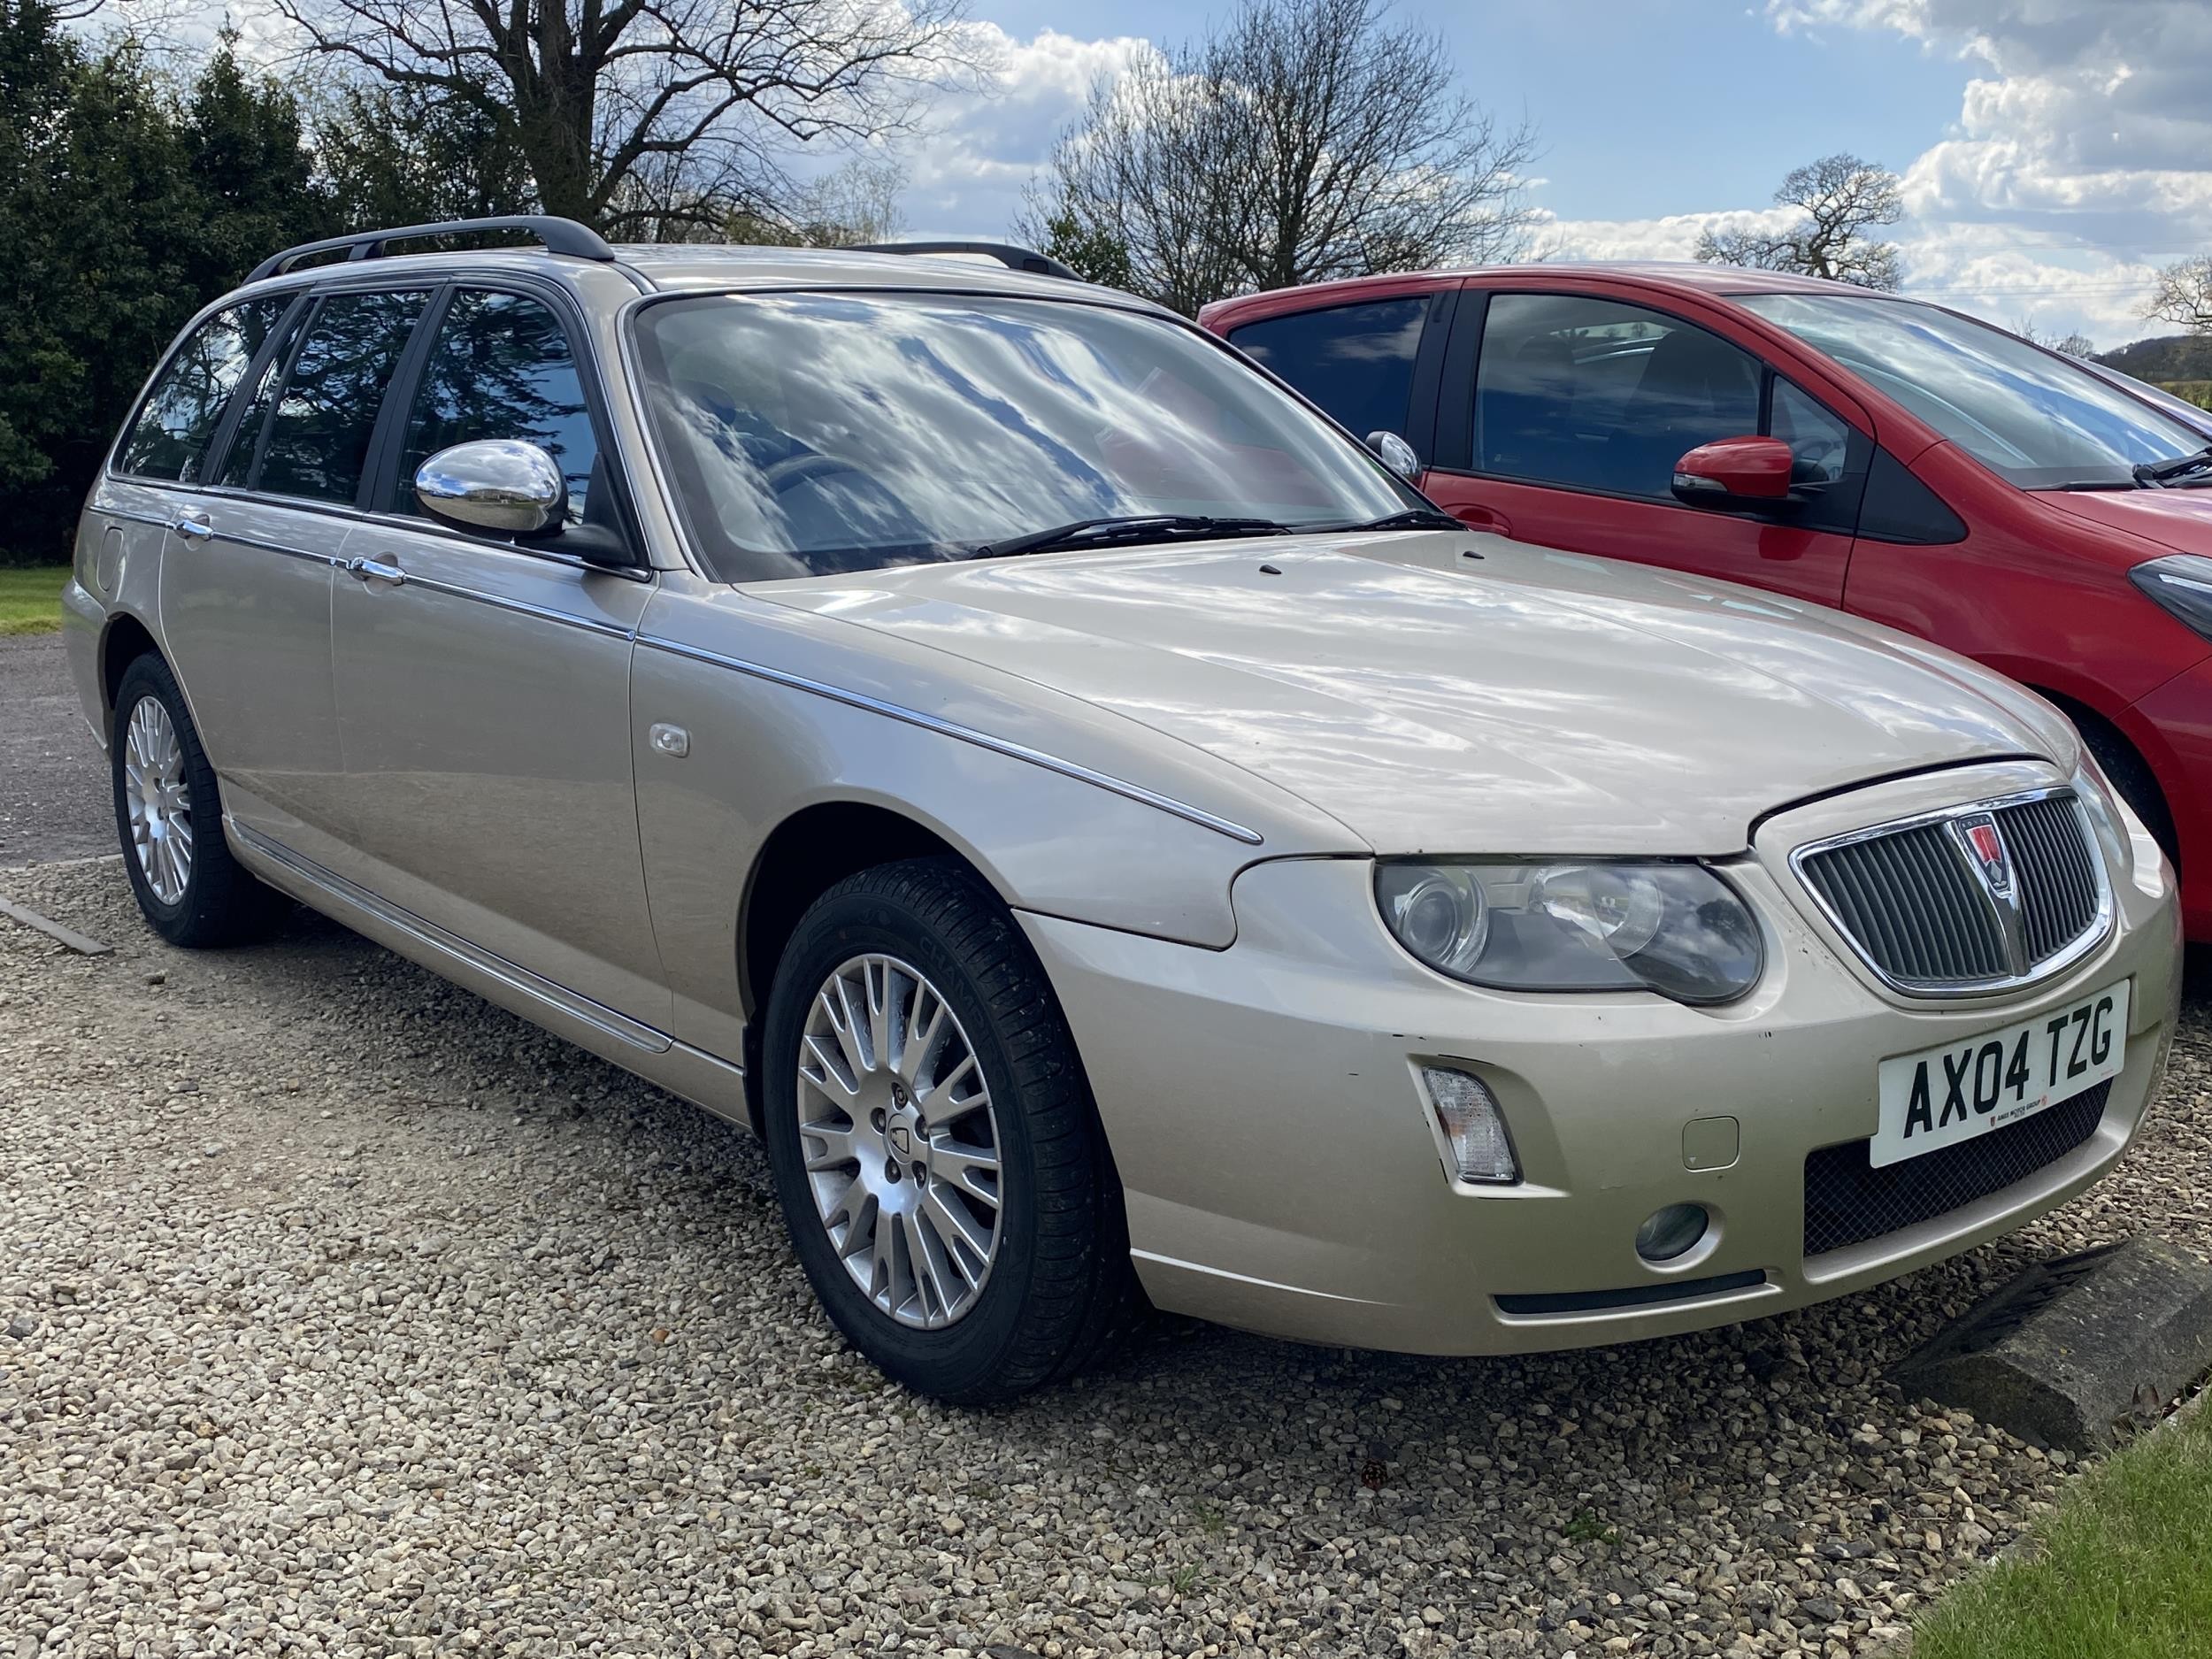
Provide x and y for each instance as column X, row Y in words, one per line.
column 1281, row 1173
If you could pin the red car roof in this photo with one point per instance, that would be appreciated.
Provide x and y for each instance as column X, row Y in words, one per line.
column 1680, row 274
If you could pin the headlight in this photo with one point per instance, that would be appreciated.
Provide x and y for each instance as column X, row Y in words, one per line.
column 2181, row 584
column 1676, row 928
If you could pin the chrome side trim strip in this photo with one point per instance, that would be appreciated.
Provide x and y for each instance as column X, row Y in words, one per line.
column 259, row 546
column 500, row 602
column 129, row 516
column 512, row 974
column 965, row 735
column 2099, row 930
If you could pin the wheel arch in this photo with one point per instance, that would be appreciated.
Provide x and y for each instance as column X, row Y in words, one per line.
column 802, row 858
column 123, row 642
column 2095, row 727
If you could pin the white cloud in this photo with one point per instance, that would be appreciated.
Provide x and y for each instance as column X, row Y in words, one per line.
column 967, row 169
column 2080, row 160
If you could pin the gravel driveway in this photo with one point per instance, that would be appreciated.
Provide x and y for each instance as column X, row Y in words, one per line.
column 345, row 1314
column 53, row 781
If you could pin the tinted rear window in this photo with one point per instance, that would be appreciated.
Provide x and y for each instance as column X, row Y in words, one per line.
column 170, row 438
column 318, row 437
column 1355, row 361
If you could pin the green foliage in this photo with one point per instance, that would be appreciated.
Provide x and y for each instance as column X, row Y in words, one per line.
column 2122, row 1570
column 1093, row 252
column 399, row 155
column 123, row 212
column 30, row 600
column 2164, row 358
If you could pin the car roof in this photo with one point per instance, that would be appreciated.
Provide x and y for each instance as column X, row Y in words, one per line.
column 715, row 267
column 1680, row 276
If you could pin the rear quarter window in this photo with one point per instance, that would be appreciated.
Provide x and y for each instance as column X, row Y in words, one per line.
column 1355, row 361
column 170, row 438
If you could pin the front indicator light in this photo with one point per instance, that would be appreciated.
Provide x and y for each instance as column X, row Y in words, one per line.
column 1473, row 1128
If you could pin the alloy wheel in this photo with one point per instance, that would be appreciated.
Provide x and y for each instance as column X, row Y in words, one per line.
column 899, row 1141
column 158, row 799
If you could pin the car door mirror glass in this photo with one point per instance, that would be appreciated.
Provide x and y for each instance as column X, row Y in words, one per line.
column 1735, row 473
column 499, row 485
column 1396, row 454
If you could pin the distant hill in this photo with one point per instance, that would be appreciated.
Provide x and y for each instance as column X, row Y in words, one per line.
column 2167, row 358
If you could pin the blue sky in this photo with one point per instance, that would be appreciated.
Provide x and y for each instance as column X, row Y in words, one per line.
column 2053, row 151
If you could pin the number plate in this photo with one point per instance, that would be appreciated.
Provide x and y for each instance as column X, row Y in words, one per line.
column 1941, row 1096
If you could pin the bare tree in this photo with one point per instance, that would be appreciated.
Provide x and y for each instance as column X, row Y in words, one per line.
column 2184, row 294
column 1841, row 200
column 657, row 117
column 856, row 203
column 2073, row 345
column 1302, row 140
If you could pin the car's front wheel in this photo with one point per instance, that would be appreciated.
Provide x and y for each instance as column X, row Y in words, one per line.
column 935, row 1149
column 169, row 816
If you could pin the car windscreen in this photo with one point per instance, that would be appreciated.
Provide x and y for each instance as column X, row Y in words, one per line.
column 2031, row 415
column 812, row 433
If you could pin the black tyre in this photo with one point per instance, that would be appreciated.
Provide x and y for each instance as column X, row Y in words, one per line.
column 934, row 1145
column 169, row 816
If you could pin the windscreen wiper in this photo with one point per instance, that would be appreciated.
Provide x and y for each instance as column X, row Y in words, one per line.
column 1411, row 518
column 1145, row 527
column 2158, row 475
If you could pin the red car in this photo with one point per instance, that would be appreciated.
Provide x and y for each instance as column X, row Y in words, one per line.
column 1881, row 455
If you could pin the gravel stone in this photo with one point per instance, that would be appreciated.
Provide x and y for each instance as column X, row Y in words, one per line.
column 349, row 1316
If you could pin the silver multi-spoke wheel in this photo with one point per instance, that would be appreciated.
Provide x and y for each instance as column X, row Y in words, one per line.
column 158, row 799
column 901, row 1147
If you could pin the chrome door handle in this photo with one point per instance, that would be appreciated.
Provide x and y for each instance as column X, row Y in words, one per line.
column 193, row 528
column 376, row 570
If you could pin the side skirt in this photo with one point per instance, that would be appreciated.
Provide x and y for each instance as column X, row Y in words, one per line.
column 705, row 1080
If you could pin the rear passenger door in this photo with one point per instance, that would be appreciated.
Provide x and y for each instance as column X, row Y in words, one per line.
column 246, row 573
column 1561, row 415
column 483, row 684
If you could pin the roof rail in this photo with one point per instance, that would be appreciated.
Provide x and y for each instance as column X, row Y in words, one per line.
column 1008, row 255
column 559, row 235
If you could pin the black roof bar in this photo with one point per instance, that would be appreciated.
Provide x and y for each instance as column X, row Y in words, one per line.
column 1012, row 258
column 559, row 235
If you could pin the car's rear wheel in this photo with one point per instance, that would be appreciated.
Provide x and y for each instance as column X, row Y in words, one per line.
column 934, row 1145
column 169, row 816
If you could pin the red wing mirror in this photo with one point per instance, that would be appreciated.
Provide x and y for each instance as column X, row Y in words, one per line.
column 1735, row 473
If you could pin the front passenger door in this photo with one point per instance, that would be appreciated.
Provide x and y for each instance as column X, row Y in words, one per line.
column 1562, row 425
column 484, row 685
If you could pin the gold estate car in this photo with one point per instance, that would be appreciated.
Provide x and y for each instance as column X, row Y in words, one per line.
column 1109, row 835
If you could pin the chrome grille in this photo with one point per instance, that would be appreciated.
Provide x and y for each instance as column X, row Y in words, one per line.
column 1912, row 899
column 2058, row 872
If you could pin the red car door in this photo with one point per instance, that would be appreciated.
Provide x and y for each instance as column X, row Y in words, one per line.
column 1561, row 415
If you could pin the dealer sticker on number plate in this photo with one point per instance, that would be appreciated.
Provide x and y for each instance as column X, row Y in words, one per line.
column 1941, row 1096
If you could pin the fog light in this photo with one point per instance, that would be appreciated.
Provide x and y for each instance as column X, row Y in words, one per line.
column 1473, row 1128
column 1670, row 1232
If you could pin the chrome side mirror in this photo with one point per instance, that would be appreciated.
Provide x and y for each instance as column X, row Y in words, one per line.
column 1396, row 454
column 495, row 484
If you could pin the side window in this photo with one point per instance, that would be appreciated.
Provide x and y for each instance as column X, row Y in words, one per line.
column 169, row 439
column 317, row 440
column 1597, row 395
column 501, row 367
column 1355, row 361
column 1828, row 460
column 244, row 447
column 1820, row 444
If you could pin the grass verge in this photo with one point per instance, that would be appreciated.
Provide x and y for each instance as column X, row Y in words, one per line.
column 2121, row 1569
column 30, row 600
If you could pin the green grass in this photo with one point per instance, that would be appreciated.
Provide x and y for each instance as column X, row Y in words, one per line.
column 2121, row 1569
column 30, row 600
column 2197, row 392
